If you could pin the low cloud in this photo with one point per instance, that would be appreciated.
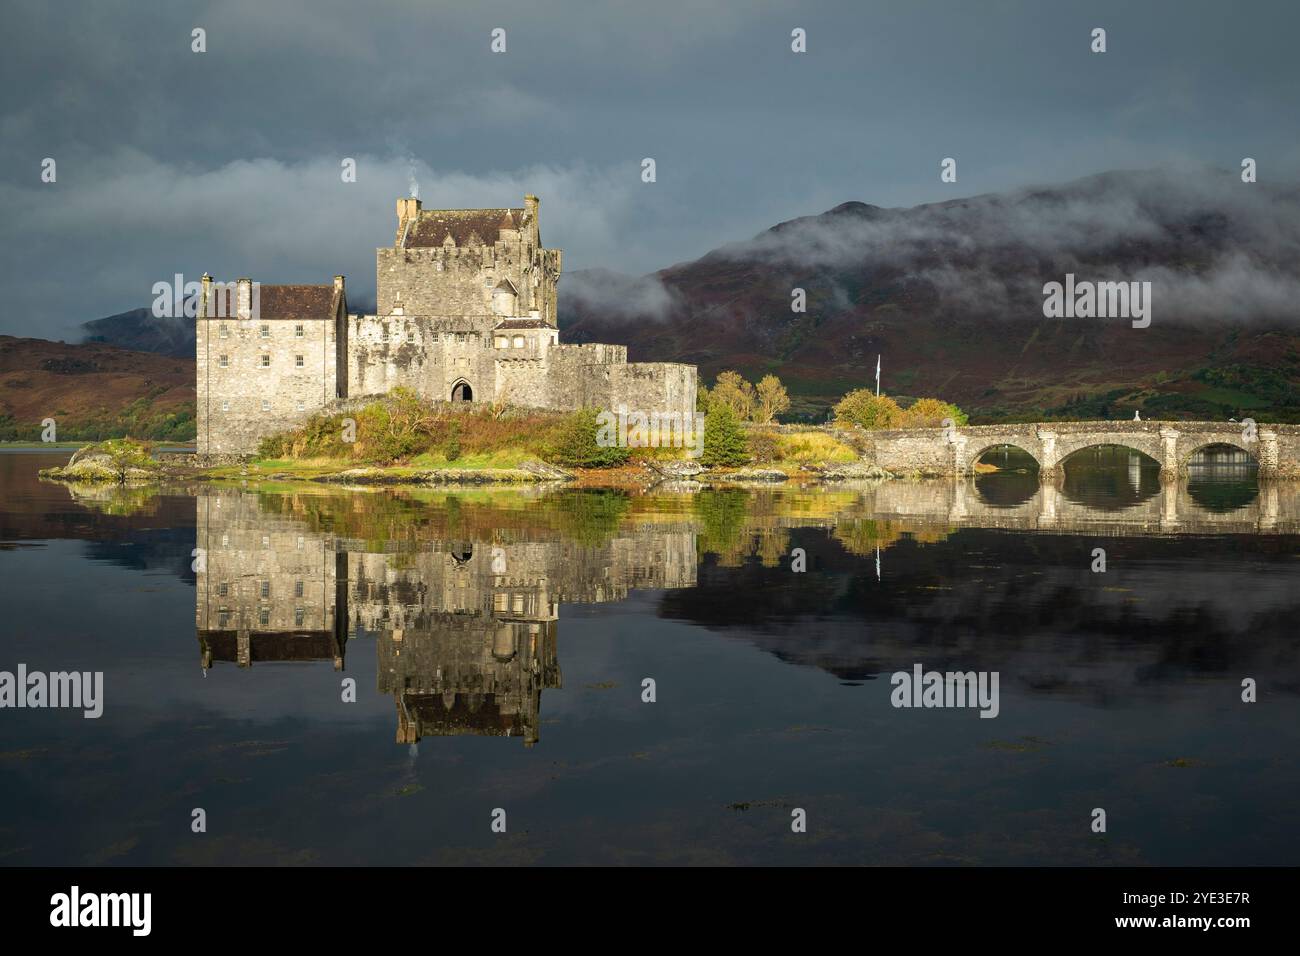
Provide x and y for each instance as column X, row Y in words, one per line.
column 1214, row 248
column 607, row 295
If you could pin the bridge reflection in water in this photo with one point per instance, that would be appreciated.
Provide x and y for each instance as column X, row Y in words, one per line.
column 466, row 614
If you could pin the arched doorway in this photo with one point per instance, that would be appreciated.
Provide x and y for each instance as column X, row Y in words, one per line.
column 461, row 392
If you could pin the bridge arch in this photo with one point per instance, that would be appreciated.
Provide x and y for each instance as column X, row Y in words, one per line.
column 1199, row 445
column 985, row 447
column 1142, row 444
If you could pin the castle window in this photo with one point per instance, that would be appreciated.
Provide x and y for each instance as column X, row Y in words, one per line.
column 519, row 341
column 297, row 588
column 460, row 338
column 299, row 331
column 223, row 618
column 264, row 618
column 225, row 331
column 302, row 406
column 224, row 361
column 266, row 360
column 298, row 361
column 266, row 589
column 225, row 406
column 503, row 341
column 223, row 589
column 266, row 331
column 298, row 616
column 266, row 405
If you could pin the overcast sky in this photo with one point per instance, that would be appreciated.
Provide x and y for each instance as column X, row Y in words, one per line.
column 229, row 161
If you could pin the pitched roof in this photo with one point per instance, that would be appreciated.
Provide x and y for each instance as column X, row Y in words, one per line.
column 433, row 226
column 297, row 301
column 278, row 302
column 523, row 324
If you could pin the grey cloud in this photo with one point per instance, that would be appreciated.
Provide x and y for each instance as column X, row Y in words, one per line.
column 245, row 139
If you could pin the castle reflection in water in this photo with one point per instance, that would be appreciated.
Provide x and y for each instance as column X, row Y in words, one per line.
column 466, row 629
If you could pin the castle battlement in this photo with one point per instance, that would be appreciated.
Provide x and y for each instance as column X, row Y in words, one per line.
column 466, row 305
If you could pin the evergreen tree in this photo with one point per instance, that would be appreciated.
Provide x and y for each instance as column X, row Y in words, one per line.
column 724, row 440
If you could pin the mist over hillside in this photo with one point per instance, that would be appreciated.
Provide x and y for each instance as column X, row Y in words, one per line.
column 951, row 295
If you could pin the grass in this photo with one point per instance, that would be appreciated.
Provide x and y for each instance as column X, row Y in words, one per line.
column 807, row 448
column 500, row 458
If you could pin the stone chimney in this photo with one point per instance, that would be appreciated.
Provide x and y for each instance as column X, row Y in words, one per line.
column 205, row 301
column 244, row 299
column 408, row 210
column 338, row 283
column 531, row 203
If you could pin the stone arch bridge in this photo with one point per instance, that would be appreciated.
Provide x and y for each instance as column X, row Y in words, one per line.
column 955, row 450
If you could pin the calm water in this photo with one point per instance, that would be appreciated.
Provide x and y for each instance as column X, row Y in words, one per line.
column 499, row 640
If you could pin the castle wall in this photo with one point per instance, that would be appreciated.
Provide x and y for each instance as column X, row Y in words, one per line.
column 428, row 354
column 242, row 400
column 452, row 280
column 653, row 387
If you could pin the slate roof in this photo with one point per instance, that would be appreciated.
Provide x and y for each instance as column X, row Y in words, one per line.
column 523, row 324
column 297, row 301
column 282, row 302
column 432, row 227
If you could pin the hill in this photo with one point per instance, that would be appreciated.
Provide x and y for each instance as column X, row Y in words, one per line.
column 951, row 295
column 140, row 331
column 93, row 391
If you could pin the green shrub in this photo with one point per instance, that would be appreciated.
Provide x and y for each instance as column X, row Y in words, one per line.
column 451, row 451
column 724, row 441
column 576, row 443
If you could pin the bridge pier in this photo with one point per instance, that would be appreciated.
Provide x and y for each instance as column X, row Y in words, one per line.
column 1049, row 462
column 1170, row 467
column 1268, row 456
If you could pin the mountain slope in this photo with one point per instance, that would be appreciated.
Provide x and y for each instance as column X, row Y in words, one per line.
column 93, row 391
column 140, row 331
column 951, row 295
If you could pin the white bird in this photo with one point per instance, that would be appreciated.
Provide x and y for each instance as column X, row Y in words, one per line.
column 1136, row 416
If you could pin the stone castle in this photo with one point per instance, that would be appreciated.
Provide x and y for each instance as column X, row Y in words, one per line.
column 465, row 312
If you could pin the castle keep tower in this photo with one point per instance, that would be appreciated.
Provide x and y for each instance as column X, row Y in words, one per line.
column 468, row 262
